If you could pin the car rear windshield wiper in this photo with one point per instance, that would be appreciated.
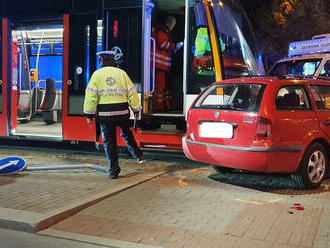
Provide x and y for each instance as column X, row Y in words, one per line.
column 225, row 106
column 229, row 107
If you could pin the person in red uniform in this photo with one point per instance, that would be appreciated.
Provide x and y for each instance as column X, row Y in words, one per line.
column 164, row 49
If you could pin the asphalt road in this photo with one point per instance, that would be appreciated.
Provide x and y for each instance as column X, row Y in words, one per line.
column 16, row 239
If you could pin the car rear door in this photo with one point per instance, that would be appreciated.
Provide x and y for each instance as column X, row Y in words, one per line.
column 294, row 120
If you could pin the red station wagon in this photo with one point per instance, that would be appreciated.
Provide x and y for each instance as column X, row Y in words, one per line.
column 263, row 124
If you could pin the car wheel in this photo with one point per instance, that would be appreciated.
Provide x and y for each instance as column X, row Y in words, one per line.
column 222, row 170
column 313, row 167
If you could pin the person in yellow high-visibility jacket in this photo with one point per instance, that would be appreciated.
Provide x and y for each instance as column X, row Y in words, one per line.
column 109, row 95
column 202, row 56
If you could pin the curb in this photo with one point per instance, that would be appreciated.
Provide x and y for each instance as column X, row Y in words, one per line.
column 94, row 240
column 33, row 222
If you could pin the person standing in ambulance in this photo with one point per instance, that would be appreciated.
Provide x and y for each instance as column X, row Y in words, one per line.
column 109, row 95
column 202, row 57
column 164, row 48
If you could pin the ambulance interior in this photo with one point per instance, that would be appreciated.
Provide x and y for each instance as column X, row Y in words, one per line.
column 192, row 70
column 173, row 97
column 163, row 110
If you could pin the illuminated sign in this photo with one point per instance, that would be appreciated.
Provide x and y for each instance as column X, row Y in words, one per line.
column 115, row 29
column 44, row 49
column 58, row 48
column 309, row 47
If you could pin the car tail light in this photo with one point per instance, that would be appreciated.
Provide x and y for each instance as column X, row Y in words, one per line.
column 264, row 129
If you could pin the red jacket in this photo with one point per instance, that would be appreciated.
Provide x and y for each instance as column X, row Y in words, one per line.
column 164, row 48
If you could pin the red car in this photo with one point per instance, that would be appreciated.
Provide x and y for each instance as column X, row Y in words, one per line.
column 263, row 124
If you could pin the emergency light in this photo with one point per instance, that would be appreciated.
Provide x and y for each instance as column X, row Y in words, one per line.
column 319, row 45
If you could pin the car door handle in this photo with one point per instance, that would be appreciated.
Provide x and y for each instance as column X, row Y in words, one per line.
column 326, row 123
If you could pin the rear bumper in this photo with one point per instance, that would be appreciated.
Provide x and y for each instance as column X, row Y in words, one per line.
column 254, row 158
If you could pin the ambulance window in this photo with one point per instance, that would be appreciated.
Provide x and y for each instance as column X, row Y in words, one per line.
column 303, row 67
column 325, row 72
column 310, row 67
column 295, row 67
column 279, row 70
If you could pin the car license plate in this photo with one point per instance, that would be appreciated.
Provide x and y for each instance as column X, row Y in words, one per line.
column 216, row 130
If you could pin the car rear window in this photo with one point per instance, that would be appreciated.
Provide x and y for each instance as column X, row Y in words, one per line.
column 292, row 97
column 236, row 97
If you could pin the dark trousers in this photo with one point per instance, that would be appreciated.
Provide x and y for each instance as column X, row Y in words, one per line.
column 109, row 138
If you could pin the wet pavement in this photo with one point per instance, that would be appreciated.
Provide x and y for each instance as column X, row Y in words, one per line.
column 167, row 202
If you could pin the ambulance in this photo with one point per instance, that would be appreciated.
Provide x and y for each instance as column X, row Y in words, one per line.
column 305, row 59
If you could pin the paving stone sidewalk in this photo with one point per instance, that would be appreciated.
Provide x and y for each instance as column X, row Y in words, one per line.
column 33, row 200
column 183, row 210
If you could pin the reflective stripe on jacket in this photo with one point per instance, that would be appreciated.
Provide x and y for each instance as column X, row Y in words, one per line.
column 109, row 92
column 163, row 49
column 162, row 61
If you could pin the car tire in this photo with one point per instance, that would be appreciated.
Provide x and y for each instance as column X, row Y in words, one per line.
column 313, row 167
column 222, row 170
